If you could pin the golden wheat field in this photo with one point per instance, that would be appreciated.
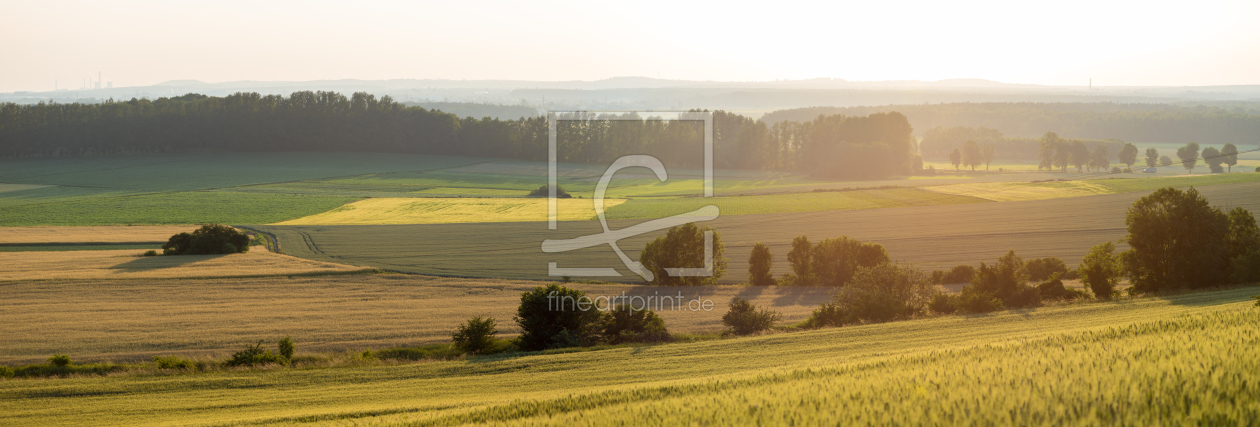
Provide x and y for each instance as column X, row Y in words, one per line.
column 130, row 320
column 129, row 264
column 91, row 234
column 452, row 210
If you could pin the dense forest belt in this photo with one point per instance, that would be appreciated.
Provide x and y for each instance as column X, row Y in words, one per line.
column 930, row 236
column 1130, row 122
column 878, row 145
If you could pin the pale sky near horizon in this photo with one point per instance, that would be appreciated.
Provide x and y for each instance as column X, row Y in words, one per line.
column 137, row 43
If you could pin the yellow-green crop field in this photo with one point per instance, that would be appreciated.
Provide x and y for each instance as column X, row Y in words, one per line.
column 794, row 202
column 1175, row 360
column 452, row 211
column 1020, row 191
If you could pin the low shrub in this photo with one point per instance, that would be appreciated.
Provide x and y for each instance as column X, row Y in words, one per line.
column 150, row 252
column 961, row 273
column 827, row 314
column 944, row 303
column 1040, row 269
column 973, row 301
column 475, row 336
column 285, row 347
column 744, row 318
column 6, row 372
column 256, row 355
column 1054, row 289
column 59, row 360
column 172, row 362
column 627, row 325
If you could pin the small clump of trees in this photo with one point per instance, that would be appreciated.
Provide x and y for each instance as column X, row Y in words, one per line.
column 683, row 247
column 210, row 239
column 831, row 262
column 555, row 316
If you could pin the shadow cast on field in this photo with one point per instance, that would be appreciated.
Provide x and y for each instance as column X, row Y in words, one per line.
column 1200, row 298
column 161, row 262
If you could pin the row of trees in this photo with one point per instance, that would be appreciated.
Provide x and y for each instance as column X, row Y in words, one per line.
column 1162, row 123
column 876, row 145
column 942, row 142
column 1189, row 155
column 1056, row 152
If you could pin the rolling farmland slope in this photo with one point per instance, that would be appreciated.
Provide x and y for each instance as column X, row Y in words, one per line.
column 930, row 236
column 1122, row 362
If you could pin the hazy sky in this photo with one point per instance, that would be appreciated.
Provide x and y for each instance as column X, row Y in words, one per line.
column 1062, row 42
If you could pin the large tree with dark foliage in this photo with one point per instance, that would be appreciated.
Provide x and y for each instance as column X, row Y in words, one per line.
column 1176, row 241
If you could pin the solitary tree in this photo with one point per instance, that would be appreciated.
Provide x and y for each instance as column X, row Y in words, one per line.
column 1165, row 161
column 1078, row 155
column 1229, row 155
column 1212, row 157
column 1045, row 150
column 759, row 264
column 955, row 157
column 1100, row 159
column 1061, row 154
column 476, row 336
column 801, row 257
column 1152, row 157
column 972, row 156
column 1189, row 156
column 1128, row 155
column 1100, row 270
column 987, row 152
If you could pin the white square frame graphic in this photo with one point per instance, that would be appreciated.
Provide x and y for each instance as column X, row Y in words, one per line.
column 553, row 117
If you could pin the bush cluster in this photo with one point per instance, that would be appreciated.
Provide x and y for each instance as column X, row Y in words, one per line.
column 744, row 318
column 554, row 317
column 683, row 247
column 831, row 262
column 210, row 239
column 257, row 355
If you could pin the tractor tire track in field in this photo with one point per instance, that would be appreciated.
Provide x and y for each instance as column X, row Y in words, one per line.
column 932, row 237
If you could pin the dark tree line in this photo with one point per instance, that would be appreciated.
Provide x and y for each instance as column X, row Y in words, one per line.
column 839, row 146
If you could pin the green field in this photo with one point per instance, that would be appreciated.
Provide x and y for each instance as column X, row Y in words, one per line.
column 660, row 207
column 1177, row 360
column 192, row 207
column 1018, row 191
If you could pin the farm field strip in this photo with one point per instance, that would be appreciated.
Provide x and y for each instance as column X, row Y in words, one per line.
column 452, row 210
column 770, row 377
column 784, row 203
column 128, row 264
column 136, row 319
column 932, row 237
column 1020, row 191
column 74, row 247
column 106, row 234
column 193, row 207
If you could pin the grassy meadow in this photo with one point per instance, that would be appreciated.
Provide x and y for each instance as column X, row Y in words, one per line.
column 1172, row 359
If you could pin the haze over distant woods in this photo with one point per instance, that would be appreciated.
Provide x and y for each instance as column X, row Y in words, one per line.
column 834, row 142
column 877, row 145
column 1239, row 125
